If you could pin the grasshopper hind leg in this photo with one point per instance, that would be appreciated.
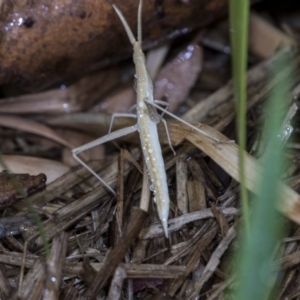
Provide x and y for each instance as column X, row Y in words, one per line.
column 109, row 137
column 94, row 173
column 119, row 115
column 188, row 124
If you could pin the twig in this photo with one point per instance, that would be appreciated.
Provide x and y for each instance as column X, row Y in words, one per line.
column 135, row 224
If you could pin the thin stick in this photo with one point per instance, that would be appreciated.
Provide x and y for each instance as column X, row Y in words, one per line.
column 114, row 257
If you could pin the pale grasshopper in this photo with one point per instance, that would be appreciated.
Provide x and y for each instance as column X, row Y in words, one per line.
column 147, row 120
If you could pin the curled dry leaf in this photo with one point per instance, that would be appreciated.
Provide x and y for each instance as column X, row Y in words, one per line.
column 178, row 76
column 119, row 102
column 34, row 166
column 65, row 99
column 53, row 101
column 33, row 127
column 92, row 123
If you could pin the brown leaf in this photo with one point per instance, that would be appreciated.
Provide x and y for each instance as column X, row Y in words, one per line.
column 44, row 42
column 177, row 77
column 33, row 127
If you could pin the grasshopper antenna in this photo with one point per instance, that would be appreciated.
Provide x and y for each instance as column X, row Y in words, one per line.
column 139, row 29
column 125, row 24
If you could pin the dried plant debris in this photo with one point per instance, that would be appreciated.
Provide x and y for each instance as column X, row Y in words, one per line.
column 106, row 247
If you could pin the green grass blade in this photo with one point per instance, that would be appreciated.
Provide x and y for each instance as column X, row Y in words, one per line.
column 239, row 19
column 256, row 263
